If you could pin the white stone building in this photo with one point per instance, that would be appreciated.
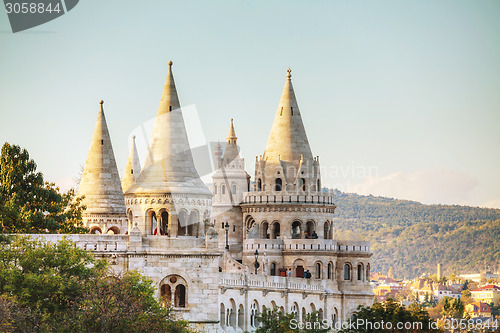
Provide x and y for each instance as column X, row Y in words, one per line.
column 201, row 246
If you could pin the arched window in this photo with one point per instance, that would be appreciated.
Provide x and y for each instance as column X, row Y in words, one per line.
column 330, row 270
column 273, row 269
column 347, row 272
column 259, row 185
column 254, row 311
column 360, row 272
column 326, row 230
column 152, row 221
column 296, row 230
column 164, row 223
column 223, row 189
column 318, row 270
column 265, row 230
column 222, row 318
column 174, row 291
column 234, row 189
column 302, row 184
column 275, row 232
column 319, row 185
column 215, row 188
column 95, row 230
column 182, row 223
column 295, row 311
column 278, row 184
column 166, row 295
column 368, row 272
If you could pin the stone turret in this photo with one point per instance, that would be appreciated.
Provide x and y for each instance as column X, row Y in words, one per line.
column 100, row 184
column 132, row 168
column 287, row 164
column 168, row 196
column 230, row 182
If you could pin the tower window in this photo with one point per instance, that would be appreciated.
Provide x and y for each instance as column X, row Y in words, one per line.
column 234, row 189
column 170, row 108
column 278, row 184
column 292, row 110
column 281, row 113
column 223, row 189
column 131, row 171
column 215, row 189
column 102, row 142
column 259, row 185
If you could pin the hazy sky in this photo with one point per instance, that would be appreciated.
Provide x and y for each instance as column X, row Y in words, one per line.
column 399, row 98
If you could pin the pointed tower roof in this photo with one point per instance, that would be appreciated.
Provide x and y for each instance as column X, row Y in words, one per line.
column 100, row 183
column 231, row 151
column 133, row 167
column 288, row 140
column 169, row 165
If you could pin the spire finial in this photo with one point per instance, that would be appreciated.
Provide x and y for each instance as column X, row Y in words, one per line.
column 133, row 137
column 101, row 108
column 170, row 63
column 289, row 73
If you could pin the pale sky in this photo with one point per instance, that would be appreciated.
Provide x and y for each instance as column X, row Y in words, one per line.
column 399, row 98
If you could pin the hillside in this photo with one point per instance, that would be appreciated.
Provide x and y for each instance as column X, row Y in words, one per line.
column 413, row 237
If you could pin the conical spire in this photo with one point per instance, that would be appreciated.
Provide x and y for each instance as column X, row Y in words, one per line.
column 231, row 151
column 133, row 167
column 288, row 140
column 169, row 99
column 100, row 183
column 169, row 166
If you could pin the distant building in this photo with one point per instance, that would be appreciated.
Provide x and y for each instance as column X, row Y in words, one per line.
column 477, row 277
column 478, row 309
column 488, row 294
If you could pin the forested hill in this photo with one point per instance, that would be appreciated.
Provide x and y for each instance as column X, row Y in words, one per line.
column 413, row 237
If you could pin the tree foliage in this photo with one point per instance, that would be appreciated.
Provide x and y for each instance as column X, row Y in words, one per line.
column 275, row 321
column 48, row 287
column 28, row 204
column 413, row 237
column 388, row 314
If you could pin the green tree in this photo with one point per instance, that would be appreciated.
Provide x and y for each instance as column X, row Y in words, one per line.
column 275, row 321
column 28, row 204
column 452, row 307
column 46, row 287
column 391, row 314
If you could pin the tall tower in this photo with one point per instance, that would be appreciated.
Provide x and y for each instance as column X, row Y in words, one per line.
column 168, row 196
column 132, row 168
column 287, row 202
column 100, row 184
column 230, row 181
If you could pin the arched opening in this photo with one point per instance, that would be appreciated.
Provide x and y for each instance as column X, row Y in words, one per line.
column 273, row 269
column 327, row 230
column 299, row 268
column 319, row 185
column 233, row 189
column 265, row 230
column 232, row 314
column 182, row 223
column 215, row 188
column 254, row 311
column 222, row 315
column 335, row 317
column 113, row 231
column 166, row 295
column 96, row 230
column 241, row 317
column 296, row 230
column 320, row 315
column 223, row 189
column 152, row 221
column 275, row 232
column 259, row 184
column 192, row 228
column 368, row 272
column 278, row 184
column 164, row 223
column 295, row 311
column 310, row 230
column 347, row 272
column 303, row 315
column 317, row 270
column 130, row 217
column 330, row 270
column 180, row 296
column 360, row 272
column 251, row 228
column 302, row 184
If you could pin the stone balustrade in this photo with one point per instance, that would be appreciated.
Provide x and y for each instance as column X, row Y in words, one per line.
column 287, row 244
column 275, row 283
column 322, row 198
